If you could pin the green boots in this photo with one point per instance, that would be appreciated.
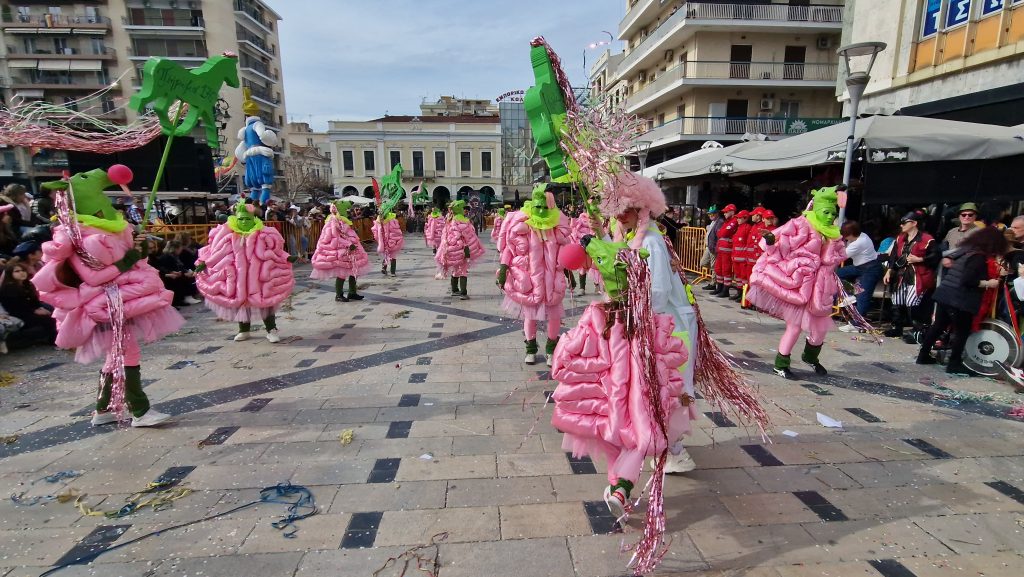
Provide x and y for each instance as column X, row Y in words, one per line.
column 810, row 356
column 531, row 352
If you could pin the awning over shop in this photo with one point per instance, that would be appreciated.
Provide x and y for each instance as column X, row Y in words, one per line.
column 887, row 139
column 698, row 162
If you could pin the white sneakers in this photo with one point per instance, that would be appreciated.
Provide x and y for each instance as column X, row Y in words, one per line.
column 681, row 463
column 3, row 347
column 616, row 501
column 152, row 418
column 192, row 301
column 531, row 359
column 848, row 328
column 272, row 336
column 549, row 359
column 106, row 418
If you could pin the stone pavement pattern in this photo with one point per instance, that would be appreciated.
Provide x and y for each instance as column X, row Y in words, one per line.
column 451, row 435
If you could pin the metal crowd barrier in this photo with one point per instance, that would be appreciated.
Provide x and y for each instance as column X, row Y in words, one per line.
column 690, row 244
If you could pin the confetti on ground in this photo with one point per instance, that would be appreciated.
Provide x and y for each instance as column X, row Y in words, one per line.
column 346, row 436
column 7, row 379
column 402, row 314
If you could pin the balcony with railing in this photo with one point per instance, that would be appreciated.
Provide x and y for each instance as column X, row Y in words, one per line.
column 637, row 9
column 258, row 67
column 730, row 16
column 726, row 73
column 172, row 21
column 264, row 95
column 730, row 128
column 254, row 13
column 86, row 52
column 60, row 81
column 245, row 36
column 47, row 20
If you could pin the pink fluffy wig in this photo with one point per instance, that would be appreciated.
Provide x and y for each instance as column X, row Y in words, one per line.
column 630, row 190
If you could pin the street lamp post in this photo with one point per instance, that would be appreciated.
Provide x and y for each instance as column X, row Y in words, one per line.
column 856, row 82
column 642, row 148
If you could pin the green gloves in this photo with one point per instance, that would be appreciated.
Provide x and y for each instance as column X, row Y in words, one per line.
column 769, row 238
column 502, row 275
column 200, row 266
column 130, row 258
column 292, row 259
column 465, row 251
column 351, row 247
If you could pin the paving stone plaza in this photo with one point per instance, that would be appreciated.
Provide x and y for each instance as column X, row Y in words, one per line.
column 422, row 437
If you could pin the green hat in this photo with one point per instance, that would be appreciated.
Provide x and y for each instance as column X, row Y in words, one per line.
column 343, row 206
column 88, row 188
column 712, row 209
column 968, row 206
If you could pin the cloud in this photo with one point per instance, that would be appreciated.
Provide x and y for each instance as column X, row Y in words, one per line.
column 357, row 59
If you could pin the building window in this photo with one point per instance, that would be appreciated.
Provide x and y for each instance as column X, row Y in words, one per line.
column 348, row 164
column 368, row 161
column 789, row 108
column 465, row 161
column 396, row 158
column 485, row 160
column 439, row 160
column 417, row 163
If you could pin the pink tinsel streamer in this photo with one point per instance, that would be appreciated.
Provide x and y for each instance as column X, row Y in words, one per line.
column 597, row 140
column 716, row 375
column 563, row 79
column 65, row 205
column 651, row 549
column 41, row 125
column 852, row 315
column 1016, row 412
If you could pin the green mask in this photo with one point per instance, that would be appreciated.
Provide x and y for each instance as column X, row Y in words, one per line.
column 92, row 207
column 435, row 213
column 824, row 211
column 501, row 212
column 538, row 215
column 605, row 257
column 458, row 209
column 243, row 221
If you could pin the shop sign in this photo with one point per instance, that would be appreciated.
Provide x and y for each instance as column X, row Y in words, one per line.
column 802, row 125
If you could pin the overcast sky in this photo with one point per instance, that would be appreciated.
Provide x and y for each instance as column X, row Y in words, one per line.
column 357, row 59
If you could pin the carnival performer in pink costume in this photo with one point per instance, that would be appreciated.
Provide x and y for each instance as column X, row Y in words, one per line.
column 794, row 280
column 459, row 249
column 433, row 228
column 499, row 218
column 529, row 274
column 101, row 287
column 245, row 272
column 388, row 234
column 339, row 254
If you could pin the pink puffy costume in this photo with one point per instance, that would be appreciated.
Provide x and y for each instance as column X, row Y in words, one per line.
column 451, row 256
column 794, row 280
column 390, row 240
column 82, row 313
column 432, row 230
column 334, row 258
column 535, row 283
column 496, row 231
column 599, row 404
column 247, row 276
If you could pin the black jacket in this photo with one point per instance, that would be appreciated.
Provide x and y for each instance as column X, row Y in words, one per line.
column 959, row 288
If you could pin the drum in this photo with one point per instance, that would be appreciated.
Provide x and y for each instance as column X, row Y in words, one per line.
column 994, row 342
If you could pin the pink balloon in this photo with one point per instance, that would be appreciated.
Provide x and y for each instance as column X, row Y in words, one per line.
column 120, row 174
column 572, row 256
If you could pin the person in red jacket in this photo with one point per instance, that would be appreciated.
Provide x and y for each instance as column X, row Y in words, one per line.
column 740, row 260
column 753, row 236
column 911, row 277
column 723, row 252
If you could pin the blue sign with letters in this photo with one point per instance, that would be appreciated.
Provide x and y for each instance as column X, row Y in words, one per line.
column 957, row 12
column 991, row 7
column 931, row 18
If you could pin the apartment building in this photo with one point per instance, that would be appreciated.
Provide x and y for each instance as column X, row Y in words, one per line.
column 952, row 59
column 713, row 70
column 63, row 50
column 455, row 156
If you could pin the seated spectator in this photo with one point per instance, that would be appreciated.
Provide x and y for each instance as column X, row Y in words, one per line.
column 43, row 210
column 9, row 324
column 20, row 299
column 177, row 278
column 8, row 234
column 14, row 195
column 31, row 255
column 189, row 252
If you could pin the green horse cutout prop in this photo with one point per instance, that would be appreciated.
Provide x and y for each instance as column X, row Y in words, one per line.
column 391, row 191
column 165, row 81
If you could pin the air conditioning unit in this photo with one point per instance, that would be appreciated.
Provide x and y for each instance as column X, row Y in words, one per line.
column 642, row 78
column 767, row 104
column 824, row 42
column 669, row 55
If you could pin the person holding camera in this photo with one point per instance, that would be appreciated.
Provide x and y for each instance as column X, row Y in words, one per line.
column 911, row 277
